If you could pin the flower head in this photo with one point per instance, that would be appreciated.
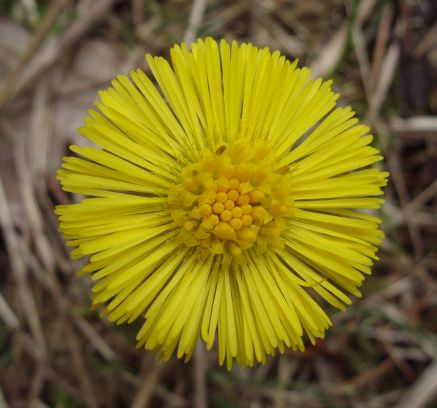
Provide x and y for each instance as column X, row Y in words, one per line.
column 225, row 202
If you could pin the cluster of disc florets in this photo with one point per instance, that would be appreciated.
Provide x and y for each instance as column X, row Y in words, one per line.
column 231, row 200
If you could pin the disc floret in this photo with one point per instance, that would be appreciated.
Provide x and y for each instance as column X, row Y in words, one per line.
column 231, row 200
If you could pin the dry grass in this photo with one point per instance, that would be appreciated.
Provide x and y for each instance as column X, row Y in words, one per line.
column 54, row 55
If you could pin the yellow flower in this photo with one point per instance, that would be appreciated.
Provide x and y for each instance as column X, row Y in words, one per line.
column 224, row 202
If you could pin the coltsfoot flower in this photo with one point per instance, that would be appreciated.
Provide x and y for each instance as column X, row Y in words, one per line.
column 225, row 202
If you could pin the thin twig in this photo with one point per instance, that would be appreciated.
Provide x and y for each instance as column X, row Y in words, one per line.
column 7, row 314
column 96, row 340
column 427, row 43
column 422, row 391
column 80, row 367
column 138, row 11
column 388, row 70
column 51, row 54
column 19, row 269
column 200, row 376
column 331, row 53
column 11, row 80
column 370, row 376
column 401, row 188
column 414, row 124
column 3, row 403
column 196, row 17
column 147, row 386
column 380, row 46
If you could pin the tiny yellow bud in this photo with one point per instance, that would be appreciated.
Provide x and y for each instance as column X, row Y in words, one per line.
column 233, row 195
column 195, row 213
column 259, row 214
column 224, row 231
column 245, row 188
column 217, row 248
column 247, row 219
column 256, row 196
column 221, row 197
column 247, row 235
column 191, row 184
column 226, row 215
column 278, row 210
column 271, row 230
column 189, row 225
column 259, row 176
column 208, row 223
column 214, row 219
column 211, row 185
column 236, row 223
column 223, row 183
column 235, row 249
column 247, row 208
column 243, row 199
column 218, row 207
column 229, row 205
column 244, row 172
column 205, row 210
column 201, row 234
column 233, row 183
column 228, row 170
column 237, row 212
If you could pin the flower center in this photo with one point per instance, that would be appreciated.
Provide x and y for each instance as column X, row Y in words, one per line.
column 231, row 200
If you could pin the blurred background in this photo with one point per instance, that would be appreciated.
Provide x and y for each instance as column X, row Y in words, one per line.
column 55, row 55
